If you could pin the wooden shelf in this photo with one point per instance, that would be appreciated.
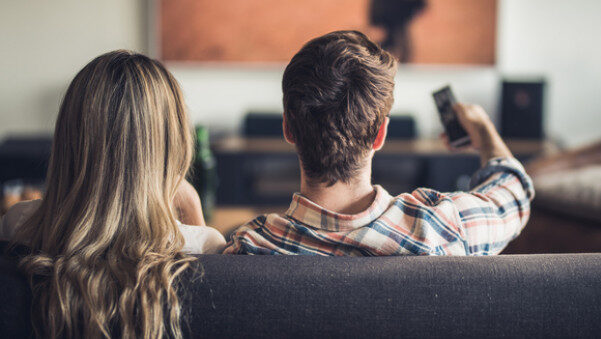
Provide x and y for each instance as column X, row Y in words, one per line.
column 417, row 146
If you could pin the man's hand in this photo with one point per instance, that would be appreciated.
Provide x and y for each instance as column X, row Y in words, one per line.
column 187, row 205
column 482, row 132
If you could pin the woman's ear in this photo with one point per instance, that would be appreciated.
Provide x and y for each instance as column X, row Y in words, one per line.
column 381, row 137
column 287, row 135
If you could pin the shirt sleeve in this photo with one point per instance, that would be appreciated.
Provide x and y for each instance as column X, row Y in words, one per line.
column 244, row 240
column 492, row 213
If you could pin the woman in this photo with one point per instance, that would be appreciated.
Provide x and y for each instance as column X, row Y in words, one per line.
column 105, row 244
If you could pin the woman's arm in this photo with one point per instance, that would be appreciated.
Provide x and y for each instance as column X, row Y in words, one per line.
column 187, row 205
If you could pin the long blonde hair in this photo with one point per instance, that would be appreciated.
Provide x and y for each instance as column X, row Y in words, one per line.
column 106, row 248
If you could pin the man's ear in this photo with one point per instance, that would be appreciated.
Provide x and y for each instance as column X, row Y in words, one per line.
column 381, row 137
column 287, row 135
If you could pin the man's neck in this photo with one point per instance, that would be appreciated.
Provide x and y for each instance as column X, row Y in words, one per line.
column 345, row 198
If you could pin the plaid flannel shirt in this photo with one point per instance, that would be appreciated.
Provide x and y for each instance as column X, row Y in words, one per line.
column 425, row 222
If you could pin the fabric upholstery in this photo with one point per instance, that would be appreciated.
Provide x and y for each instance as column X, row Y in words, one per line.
column 306, row 296
column 575, row 192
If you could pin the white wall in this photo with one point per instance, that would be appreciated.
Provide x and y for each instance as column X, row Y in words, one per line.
column 219, row 96
column 44, row 43
column 561, row 40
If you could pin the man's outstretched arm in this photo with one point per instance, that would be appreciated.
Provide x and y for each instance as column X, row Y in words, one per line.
column 498, row 206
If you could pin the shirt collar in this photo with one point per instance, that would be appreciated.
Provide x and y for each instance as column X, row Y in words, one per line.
column 309, row 213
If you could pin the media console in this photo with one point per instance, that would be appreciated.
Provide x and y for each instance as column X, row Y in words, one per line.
column 264, row 171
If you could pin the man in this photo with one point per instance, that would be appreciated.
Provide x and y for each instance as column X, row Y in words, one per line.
column 338, row 91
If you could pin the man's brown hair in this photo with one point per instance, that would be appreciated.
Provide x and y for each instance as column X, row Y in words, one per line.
column 337, row 93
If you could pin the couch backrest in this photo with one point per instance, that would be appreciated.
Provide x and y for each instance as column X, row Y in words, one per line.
column 302, row 296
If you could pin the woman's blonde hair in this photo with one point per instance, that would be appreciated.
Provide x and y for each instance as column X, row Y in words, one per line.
column 105, row 244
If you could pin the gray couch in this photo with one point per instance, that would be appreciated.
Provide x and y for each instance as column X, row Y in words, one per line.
column 283, row 297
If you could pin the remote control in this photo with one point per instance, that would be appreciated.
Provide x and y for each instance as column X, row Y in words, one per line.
column 444, row 100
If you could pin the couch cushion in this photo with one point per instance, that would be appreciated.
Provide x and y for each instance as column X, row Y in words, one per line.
column 294, row 296
column 575, row 192
column 521, row 295
column 15, row 298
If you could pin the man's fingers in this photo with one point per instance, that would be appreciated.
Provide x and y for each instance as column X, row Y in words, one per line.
column 445, row 140
column 459, row 107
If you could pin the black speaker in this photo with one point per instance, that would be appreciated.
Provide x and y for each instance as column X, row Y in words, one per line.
column 522, row 110
column 401, row 127
column 263, row 125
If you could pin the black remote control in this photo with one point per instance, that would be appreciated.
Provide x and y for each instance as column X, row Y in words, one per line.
column 444, row 100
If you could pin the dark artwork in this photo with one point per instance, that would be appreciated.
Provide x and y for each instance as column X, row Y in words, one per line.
column 395, row 17
column 266, row 31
